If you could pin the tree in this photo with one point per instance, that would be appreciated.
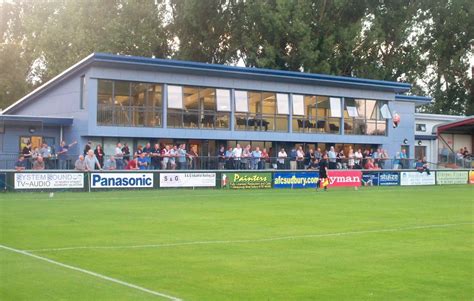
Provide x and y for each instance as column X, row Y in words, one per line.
column 203, row 30
column 448, row 43
column 50, row 36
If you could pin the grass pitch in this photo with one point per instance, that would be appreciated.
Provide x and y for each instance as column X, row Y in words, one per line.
column 397, row 243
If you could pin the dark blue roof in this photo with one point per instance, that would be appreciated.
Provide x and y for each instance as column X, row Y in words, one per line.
column 413, row 98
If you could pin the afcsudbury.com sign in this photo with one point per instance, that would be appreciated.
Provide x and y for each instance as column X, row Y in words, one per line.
column 48, row 180
column 196, row 179
column 121, row 180
column 295, row 180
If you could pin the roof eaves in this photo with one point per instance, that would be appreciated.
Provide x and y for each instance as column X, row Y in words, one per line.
column 419, row 100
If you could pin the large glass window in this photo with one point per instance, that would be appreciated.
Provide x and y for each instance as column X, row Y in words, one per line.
column 223, row 100
column 198, row 107
column 321, row 114
column 122, row 103
column 262, row 113
column 298, row 105
column 365, row 117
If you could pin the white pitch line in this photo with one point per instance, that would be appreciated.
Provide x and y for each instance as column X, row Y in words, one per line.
column 130, row 285
column 209, row 242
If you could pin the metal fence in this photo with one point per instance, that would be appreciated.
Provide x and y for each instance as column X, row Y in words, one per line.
column 7, row 161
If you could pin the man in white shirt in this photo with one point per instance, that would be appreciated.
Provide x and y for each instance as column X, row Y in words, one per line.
column 281, row 158
column 119, row 156
column 237, row 155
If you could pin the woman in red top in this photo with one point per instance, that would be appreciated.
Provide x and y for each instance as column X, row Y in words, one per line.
column 132, row 165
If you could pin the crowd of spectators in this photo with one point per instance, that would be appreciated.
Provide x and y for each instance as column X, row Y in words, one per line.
column 172, row 157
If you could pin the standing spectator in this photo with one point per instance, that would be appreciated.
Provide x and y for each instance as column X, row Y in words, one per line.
column 39, row 163
column 376, row 156
column 282, row 155
column 194, row 161
column 318, row 154
column 358, row 159
column 181, row 153
column 396, row 161
column 139, row 151
column 332, row 158
column 110, row 164
column 142, row 161
column 35, row 154
column 351, row 159
column 87, row 148
column 383, row 156
column 237, row 156
column 173, row 155
column 341, row 160
column 126, row 154
column 308, row 157
column 80, row 164
column 147, row 150
column 264, row 160
column 221, row 157
column 20, row 164
column 300, row 158
column 246, row 154
column 27, row 154
column 91, row 161
column 403, row 159
column 229, row 161
column 45, row 152
column 165, row 154
column 256, row 155
column 118, row 154
column 62, row 154
column 99, row 154
column 156, row 157
column 293, row 156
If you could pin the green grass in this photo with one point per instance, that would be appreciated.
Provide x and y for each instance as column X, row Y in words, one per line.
column 406, row 264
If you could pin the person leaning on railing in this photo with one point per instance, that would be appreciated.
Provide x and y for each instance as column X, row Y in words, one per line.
column 80, row 165
column 39, row 163
column 20, row 164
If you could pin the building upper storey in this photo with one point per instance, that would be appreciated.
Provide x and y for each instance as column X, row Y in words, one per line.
column 105, row 92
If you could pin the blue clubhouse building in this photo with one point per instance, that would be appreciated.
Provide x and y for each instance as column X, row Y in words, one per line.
column 109, row 98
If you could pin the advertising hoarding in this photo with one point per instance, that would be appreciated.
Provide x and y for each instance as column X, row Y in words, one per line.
column 347, row 178
column 122, row 180
column 471, row 176
column 389, row 178
column 451, row 177
column 246, row 180
column 201, row 179
column 26, row 180
column 295, row 179
column 370, row 179
column 410, row 178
